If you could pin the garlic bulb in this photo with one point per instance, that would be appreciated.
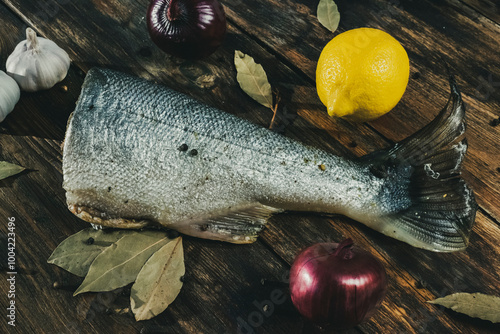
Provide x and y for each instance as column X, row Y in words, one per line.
column 9, row 95
column 37, row 63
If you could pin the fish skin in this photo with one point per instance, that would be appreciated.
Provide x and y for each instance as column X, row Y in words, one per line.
column 138, row 154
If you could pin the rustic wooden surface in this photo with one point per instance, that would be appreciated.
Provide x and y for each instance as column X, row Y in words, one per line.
column 224, row 281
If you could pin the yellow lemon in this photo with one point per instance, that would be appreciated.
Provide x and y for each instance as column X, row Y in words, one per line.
column 362, row 74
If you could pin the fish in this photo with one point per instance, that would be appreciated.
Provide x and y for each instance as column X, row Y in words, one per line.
column 139, row 154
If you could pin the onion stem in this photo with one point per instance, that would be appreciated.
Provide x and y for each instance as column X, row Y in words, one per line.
column 172, row 10
column 344, row 249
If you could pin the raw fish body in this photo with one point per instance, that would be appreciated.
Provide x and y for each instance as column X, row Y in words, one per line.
column 138, row 154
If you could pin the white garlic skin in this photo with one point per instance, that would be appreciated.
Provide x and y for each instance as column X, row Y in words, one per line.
column 37, row 63
column 9, row 95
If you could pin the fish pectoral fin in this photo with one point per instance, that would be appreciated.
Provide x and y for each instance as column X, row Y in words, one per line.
column 237, row 225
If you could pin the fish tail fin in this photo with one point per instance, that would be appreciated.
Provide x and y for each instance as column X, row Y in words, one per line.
column 430, row 206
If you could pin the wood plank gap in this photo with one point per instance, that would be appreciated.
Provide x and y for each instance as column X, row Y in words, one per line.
column 424, row 60
column 490, row 217
column 381, row 254
column 18, row 13
column 387, row 140
column 282, row 59
column 269, row 247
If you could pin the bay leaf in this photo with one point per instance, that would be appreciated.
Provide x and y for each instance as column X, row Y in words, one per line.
column 7, row 169
column 253, row 79
column 476, row 305
column 328, row 14
column 159, row 281
column 77, row 252
column 119, row 264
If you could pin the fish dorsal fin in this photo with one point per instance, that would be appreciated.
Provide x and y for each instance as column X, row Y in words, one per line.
column 238, row 225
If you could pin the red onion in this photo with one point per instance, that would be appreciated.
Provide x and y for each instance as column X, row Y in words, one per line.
column 337, row 284
column 189, row 29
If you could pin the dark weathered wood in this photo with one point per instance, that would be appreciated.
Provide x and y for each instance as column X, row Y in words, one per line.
column 223, row 281
column 488, row 8
column 304, row 231
column 432, row 33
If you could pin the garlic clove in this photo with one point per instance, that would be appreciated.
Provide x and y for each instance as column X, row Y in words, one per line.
column 9, row 95
column 37, row 63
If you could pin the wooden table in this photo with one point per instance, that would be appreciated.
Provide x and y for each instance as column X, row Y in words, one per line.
column 225, row 283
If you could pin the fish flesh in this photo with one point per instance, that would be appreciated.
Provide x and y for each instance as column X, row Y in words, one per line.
column 138, row 154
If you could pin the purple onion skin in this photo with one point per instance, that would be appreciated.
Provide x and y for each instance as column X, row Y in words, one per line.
column 189, row 29
column 340, row 286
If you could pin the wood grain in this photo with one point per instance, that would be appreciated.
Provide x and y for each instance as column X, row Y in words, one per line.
column 488, row 8
column 225, row 282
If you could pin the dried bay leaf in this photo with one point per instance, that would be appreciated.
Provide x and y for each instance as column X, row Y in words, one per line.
column 159, row 281
column 476, row 305
column 253, row 79
column 7, row 169
column 77, row 252
column 328, row 14
column 119, row 264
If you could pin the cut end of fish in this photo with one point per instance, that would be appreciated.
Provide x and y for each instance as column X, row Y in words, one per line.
column 96, row 217
column 441, row 208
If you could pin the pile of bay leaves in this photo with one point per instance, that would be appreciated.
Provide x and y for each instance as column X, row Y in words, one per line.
column 110, row 259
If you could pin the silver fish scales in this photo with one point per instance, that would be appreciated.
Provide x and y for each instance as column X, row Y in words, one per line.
column 139, row 154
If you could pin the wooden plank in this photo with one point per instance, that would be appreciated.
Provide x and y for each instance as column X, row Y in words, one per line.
column 44, row 114
column 430, row 32
column 488, row 8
